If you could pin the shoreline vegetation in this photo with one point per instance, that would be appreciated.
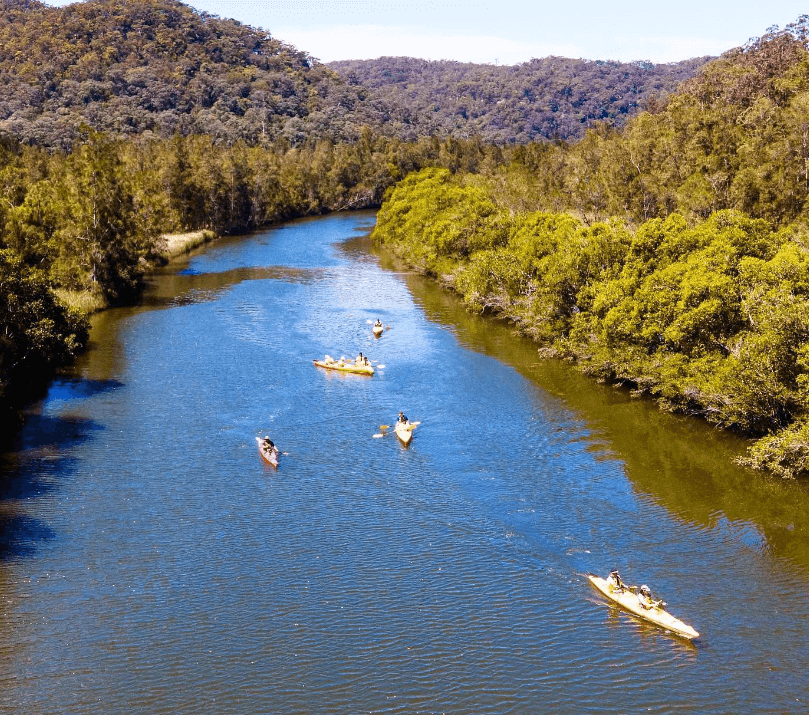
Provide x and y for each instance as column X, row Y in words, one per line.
column 168, row 246
column 671, row 258
column 173, row 245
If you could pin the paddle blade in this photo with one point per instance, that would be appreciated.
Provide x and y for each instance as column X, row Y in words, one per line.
column 384, row 426
column 381, row 367
column 377, row 436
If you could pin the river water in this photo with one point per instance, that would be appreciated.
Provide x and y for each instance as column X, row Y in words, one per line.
column 151, row 563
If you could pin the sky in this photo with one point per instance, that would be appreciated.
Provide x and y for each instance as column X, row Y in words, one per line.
column 508, row 32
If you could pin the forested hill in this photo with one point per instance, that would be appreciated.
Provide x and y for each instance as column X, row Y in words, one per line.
column 129, row 67
column 549, row 98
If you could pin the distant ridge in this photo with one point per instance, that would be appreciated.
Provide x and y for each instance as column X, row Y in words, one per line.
column 548, row 98
column 160, row 67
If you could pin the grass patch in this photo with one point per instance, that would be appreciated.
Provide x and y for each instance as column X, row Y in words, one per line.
column 176, row 244
column 83, row 302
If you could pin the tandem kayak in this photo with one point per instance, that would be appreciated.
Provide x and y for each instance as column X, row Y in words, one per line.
column 404, row 431
column 268, row 455
column 628, row 600
column 345, row 367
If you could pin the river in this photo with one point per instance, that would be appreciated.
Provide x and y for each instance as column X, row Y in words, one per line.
column 151, row 563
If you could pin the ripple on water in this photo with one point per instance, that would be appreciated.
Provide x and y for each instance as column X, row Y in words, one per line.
column 168, row 570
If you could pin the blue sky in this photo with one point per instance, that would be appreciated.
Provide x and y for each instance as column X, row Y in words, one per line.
column 508, row 31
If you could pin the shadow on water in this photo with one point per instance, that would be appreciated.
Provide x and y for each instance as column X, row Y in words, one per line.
column 20, row 534
column 38, row 461
column 683, row 464
column 187, row 286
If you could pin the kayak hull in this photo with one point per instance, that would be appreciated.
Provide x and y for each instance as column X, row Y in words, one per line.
column 270, row 457
column 378, row 330
column 404, row 432
column 346, row 367
column 629, row 601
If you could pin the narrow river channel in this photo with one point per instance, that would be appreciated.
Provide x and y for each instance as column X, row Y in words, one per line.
column 151, row 563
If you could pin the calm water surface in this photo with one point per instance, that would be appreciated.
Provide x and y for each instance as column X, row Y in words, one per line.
column 150, row 563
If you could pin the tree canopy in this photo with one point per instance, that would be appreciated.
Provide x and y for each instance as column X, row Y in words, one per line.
column 547, row 98
column 132, row 67
column 671, row 256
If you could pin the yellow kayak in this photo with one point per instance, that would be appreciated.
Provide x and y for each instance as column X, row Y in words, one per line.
column 345, row 367
column 404, row 431
column 657, row 615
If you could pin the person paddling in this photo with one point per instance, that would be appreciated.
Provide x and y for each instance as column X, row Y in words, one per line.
column 646, row 601
column 269, row 446
column 614, row 582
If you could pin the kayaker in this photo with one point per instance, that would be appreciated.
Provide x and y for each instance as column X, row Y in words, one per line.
column 645, row 598
column 402, row 418
column 378, row 323
column 359, row 360
column 614, row 582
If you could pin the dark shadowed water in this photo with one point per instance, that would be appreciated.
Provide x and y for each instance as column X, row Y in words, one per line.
column 151, row 563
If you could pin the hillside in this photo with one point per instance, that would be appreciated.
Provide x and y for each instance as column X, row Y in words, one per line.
column 161, row 67
column 671, row 257
column 549, row 98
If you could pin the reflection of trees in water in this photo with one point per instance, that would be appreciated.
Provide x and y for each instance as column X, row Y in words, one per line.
column 36, row 467
column 681, row 463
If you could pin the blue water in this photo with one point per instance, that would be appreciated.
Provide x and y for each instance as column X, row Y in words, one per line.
column 150, row 562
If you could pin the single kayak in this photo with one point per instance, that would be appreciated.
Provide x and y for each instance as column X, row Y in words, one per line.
column 657, row 615
column 404, row 431
column 268, row 455
column 345, row 367
column 378, row 330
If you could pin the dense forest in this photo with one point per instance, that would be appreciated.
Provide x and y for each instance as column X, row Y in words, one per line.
column 160, row 67
column 548, row 98
column 671, row 257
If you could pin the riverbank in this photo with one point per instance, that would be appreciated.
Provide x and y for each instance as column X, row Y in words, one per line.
column 172, row 245
column 167, row 247
column 79, row 305
column 709, row 318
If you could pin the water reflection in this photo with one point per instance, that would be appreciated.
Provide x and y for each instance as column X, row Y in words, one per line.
column 682, row 464
column 153, row 560
column 35, row 468
column 190, row 286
